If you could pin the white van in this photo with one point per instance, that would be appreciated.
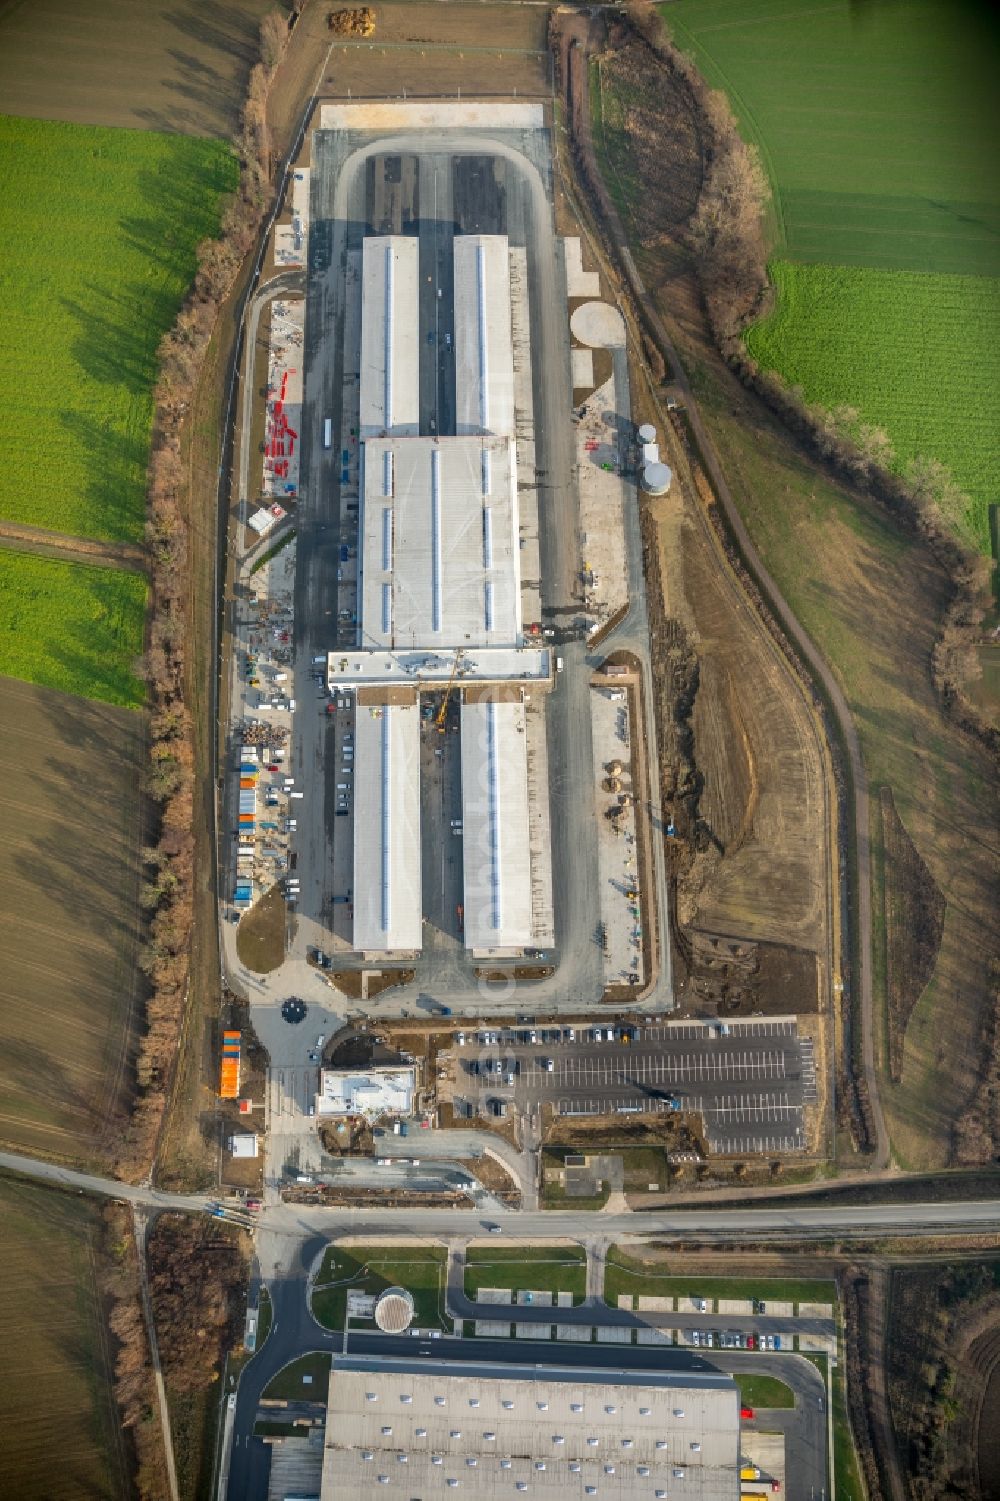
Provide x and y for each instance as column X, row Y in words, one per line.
column 327, row 432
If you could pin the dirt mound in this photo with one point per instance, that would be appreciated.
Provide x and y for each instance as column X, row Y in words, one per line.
column 357, row 22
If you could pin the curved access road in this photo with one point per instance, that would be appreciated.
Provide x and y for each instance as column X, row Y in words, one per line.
column 804, row 646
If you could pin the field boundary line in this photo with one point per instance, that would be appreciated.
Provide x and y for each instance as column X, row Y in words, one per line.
column 118, row 1433
column 139, row 1223
column 126, row 555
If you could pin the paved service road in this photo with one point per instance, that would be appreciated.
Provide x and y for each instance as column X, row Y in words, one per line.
column 298, row 1222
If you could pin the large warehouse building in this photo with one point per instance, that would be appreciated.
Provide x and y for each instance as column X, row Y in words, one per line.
column 439, row 596
column 387, row 902
column 495, row 857
column 440, row 544
column 421, row 1428
column 484, row 361
column 390, row 337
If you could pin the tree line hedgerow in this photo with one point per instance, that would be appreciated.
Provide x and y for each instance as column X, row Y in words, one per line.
column 167, row 893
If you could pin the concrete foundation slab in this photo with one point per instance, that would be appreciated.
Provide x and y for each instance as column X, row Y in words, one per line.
column 613, row 1334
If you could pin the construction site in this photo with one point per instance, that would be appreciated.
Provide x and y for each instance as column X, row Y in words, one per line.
column 503, row 792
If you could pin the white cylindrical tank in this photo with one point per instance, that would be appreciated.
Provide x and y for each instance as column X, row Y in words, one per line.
column 394, row 1310
column 647, row 433
column 656, row 479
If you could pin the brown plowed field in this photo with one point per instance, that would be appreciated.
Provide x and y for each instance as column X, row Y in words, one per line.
column 427, row 50
column 70, row 835
column 61, row 1434
column 150, row 64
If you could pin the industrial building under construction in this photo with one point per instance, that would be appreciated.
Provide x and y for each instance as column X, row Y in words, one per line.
column 439, row 603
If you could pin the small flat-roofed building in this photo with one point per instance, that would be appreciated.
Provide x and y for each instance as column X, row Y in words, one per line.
column 369, row 1093
column 496, row 855
column 484, row 359
column 440, row 544
column 387, row 896
column 486, row 1429
column 390, row 337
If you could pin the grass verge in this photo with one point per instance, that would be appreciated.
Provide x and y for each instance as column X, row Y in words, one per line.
column 420, row 1269
column 289, row 1385
column 272, row 552
column 628, row 1274
column 553, row 1269
column 554, row 1196
column 763, row 1391
column 265, row 1316
column 848, row 1485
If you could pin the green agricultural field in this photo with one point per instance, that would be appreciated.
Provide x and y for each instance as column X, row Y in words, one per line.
column 98, row 229
column 60, row 1427
column 920, row 355
column 71, row 626
column 877, row 123
column 877, row 126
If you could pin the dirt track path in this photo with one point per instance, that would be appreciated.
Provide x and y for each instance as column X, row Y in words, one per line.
column 574, row 64
column 18, row 538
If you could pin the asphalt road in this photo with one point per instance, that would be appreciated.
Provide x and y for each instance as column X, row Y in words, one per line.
column 296, row 1224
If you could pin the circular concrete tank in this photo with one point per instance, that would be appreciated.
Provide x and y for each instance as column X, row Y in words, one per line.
column 647, row 433
column 394, row 1310
column 656, row 479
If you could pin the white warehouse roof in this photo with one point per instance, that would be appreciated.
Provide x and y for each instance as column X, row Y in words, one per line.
column 488, row 1431
column 495, row 856
column 484, row 360
column 440, row 544
column 390, row 339
column 387, row 896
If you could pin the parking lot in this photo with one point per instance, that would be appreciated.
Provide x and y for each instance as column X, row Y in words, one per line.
column 745, row 1079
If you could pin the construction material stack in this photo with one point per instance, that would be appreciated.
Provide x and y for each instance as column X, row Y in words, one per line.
column 229, row 1080
column 247, row 830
